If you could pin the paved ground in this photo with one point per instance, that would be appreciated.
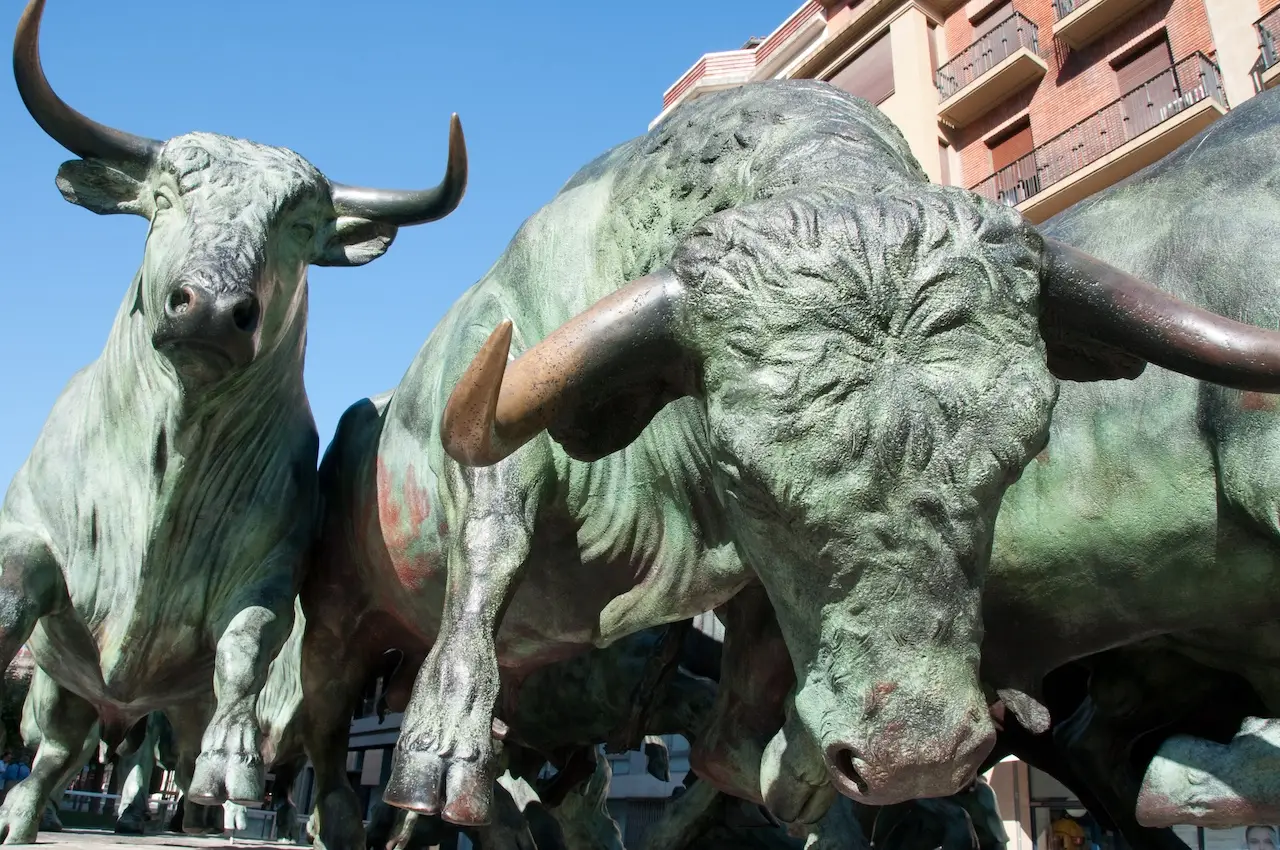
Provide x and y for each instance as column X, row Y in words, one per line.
column 95, row 840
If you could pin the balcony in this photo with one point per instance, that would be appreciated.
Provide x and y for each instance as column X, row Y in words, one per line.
column 987, row 72
column 1266, row 71
column 1081, row 22
column 1120, row 139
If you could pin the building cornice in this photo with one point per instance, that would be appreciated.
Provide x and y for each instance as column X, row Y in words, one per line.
column 840, row 46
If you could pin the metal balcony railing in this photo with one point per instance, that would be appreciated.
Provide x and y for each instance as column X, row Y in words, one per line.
column 1159, row 99
column 1267, row 26
column 990, row 50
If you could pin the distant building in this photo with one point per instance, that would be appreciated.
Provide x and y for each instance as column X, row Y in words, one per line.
column 1033, row 103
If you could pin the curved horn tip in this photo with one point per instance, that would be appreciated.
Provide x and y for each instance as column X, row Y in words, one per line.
column 458, row 154
column 467, row 424
column 401, row 208
column 82, row 136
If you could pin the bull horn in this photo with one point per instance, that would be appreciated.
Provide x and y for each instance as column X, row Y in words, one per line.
column 82, row 136
column 406, row 207
column 1109, row 304
column 497, row 407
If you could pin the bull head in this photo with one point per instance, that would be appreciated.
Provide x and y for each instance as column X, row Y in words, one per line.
column 234, row 224
column 871, row 372
column 621, row 358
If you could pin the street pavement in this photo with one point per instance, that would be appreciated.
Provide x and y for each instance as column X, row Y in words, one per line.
column 92, row 839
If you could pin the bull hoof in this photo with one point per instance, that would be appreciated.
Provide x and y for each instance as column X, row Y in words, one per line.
column 20, row 814
column 198, row 819
column 459, row 790
column 221, row 776
column 234, row 818
column 129, row 823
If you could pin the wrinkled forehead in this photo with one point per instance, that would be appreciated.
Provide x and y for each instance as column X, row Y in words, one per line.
column 220, row 173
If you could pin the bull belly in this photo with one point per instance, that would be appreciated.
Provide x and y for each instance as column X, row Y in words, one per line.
column 1039, row 615
column 129, row 672
column 565, row 607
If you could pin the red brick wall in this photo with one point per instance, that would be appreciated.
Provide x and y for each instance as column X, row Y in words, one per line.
column 1078, row 82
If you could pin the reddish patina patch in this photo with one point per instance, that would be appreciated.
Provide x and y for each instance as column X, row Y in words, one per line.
column 876, row 696
column 1258, row 401
column 1043, row 457
column 404, row 511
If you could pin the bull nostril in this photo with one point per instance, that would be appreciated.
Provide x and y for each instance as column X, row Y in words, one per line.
column 245, row 315
column 180, row 300
column 841, row 761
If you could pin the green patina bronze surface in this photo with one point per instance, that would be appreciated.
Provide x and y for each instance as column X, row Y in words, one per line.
column 1156, row 506
column 151, row 544
column 870, row 341
column 857, row 365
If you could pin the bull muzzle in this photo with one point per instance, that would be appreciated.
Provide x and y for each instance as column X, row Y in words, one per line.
column 212, row 333
column 898, row 766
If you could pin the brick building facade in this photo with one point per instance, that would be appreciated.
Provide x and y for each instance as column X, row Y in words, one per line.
column 1034, row 103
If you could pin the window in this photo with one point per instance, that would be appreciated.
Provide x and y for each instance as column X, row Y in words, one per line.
column 1148, row 89
column 944, row 157
column 870, row 74
column 991, row 19
column 1011, row 146
column 1144, row 64
column 1014, row 165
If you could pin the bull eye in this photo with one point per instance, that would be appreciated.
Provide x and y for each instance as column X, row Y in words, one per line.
column 162, row 201
column 303, row 230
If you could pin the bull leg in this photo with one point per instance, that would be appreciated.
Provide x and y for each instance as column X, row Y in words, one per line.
column 445, row 754
column 282, row 797
column 332, row 675
column 686, row 820
column 583, row 816
column 64, row 720
column 1094, row 750
column 136, row 765
column 755, row 676
column 188, row 723
column 49, row 820
column 31, row 586
column 230, row 764
column 31, row 735
column 509, row 829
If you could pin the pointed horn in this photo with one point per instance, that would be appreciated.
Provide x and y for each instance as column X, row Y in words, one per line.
column 82, row 136
column 406, row 207
column 627, row 337
column 1117, row 307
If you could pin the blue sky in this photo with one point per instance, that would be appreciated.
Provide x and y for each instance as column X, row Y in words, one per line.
column 364, row 91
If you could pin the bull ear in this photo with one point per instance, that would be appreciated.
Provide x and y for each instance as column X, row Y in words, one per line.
column 353, row 241
column 1074, row 354
column 105, row 188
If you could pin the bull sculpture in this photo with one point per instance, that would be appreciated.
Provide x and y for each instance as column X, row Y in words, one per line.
column 1156, row 508
column 1152, row 512
column 756, row 349
column 152, row 541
